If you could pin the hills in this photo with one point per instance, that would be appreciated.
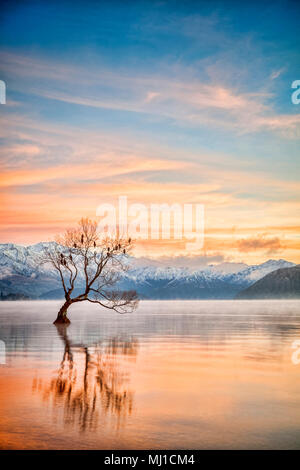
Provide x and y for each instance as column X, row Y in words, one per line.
column 20, row 274
column 282, row 283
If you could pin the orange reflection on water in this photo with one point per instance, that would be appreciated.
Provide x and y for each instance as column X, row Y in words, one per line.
column 90, row 382
column 191, row 382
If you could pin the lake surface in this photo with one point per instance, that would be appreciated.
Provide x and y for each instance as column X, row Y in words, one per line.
column 173, row 375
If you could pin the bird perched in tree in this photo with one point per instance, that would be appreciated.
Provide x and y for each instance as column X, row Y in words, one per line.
column 82, row 238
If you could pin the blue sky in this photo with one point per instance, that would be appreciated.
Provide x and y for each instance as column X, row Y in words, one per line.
column 200, row 89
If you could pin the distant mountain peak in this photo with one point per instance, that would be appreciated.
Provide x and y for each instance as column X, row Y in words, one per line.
column 278, row 262
column 281, row 283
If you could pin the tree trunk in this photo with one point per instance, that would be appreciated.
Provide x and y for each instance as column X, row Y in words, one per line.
column 62, row 314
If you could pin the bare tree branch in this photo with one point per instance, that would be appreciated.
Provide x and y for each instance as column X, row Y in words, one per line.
column 81, row 255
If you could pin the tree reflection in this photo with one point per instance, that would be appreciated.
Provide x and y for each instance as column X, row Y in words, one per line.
column 91, row 382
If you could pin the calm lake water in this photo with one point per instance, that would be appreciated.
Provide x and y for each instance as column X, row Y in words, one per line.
column 173, row 375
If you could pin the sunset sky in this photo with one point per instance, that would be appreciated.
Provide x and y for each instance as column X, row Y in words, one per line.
column 163, row 102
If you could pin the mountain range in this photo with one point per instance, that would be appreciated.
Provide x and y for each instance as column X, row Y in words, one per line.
column 21, row 275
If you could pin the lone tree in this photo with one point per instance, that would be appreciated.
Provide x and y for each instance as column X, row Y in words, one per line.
column 93, row 264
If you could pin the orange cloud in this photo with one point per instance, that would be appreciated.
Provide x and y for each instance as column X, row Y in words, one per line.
column 253, row 244
column 86, row 171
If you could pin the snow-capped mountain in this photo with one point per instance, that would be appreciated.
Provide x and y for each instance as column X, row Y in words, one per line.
column 206, row 282
column 22, row 260
column 20, row 272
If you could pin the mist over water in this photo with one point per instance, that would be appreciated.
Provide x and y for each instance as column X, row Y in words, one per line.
column 174, row 374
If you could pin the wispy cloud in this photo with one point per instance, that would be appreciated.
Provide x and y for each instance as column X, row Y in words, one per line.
column 177, row 97
column 276, row 73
